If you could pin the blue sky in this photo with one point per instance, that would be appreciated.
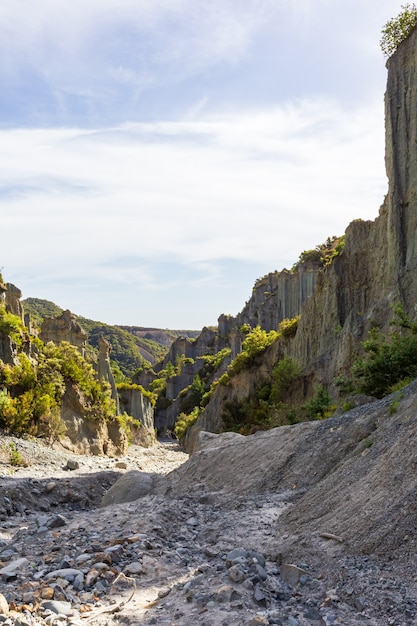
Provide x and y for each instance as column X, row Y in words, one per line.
column 158, row 156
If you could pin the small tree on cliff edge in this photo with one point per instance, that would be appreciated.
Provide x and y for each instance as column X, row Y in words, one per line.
column 398, row 28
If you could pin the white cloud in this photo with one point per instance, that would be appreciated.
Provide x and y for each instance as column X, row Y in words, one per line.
column 81, row 47
column 261, row 186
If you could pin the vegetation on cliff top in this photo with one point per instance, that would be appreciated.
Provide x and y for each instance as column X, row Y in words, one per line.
column 32, row 389
column 397, row 29
column 129, row 351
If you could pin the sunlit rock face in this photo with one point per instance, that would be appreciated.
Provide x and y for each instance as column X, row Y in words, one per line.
column 376, row 269
column 64, row 328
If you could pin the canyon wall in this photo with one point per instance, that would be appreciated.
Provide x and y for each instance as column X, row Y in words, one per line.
column 376, row 269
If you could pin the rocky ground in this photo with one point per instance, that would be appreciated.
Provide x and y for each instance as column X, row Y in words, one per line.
column 310, row 525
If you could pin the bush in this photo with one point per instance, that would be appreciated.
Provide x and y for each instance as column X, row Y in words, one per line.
column 390, row 359
column 398, row 28
column 11, row 325
column 184, row 422
column 286, row 370
column 255, row 343
column 129, row 424
column 288, row 327
column 320, row 406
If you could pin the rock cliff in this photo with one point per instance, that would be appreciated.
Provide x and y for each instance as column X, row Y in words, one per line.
column 104, row 372
column 64, row 328
column 376, row 269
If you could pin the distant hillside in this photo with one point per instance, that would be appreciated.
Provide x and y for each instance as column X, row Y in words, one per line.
column 164, row 337
column 132, row 346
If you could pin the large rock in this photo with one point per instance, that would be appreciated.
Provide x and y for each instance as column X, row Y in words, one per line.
column 104, row 371
column 64, row 328
column 131, row 486
column 89, row 436
column 134, row 403
column 12, row 300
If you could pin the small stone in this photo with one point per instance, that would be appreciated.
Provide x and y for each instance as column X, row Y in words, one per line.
column 226, row 593
column 210, row 552
column 121, row 465
column 28, row 597
column 13, row 567
column 83, row 558
column 258, row 620
column 47, row 593
column 259, row 597
column 57, row 607
column 259, row 572
column 67, row 573
column 92, row 577
column 254, row 554
column 56, row 521
column 360, row 604
column 50, row 487
column 237, row 573
column 133, row 569
column 235, row 554
column 290, row 574
column 192, row 521
column 4, row 605
column 72, row 465
column 312, row 614
column 103, row 557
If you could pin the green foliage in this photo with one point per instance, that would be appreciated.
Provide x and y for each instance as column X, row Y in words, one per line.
column 145, row 392
column 32, row 393
column 390, row 360
column 398, row 28
column 367, row 443
column 11, row 325
column 395, row 403
column 124, row 346
column 320, row 406
column 194, row 395
column 323, row 254
column 39, row 309
column 184, row 422
column 212, row 362
column 288, row 327
column 129, row 424
column 347, row 406
column 15, row 456
column 255, row 343
column 283, row 374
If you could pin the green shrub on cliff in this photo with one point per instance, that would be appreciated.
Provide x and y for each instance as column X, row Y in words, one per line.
column 389, row 359
column 11, row 325
column 184, row 422
column 398, row 28
column 32, row 392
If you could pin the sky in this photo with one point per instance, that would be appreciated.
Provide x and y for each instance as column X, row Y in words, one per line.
column 157, row 157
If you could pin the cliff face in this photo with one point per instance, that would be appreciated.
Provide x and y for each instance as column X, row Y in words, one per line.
column 376, row 268
column 378, row 264
column 64, row 328
column 279, row 296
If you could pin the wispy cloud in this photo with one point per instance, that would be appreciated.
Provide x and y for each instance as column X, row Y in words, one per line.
column 245, row 186
column 89, row 56
column 154, row 145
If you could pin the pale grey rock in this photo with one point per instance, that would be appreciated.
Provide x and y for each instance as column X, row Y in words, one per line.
column 13, row 567
column 68, row 573
column 129, row 487
column 291, row 574
column 58, row 607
